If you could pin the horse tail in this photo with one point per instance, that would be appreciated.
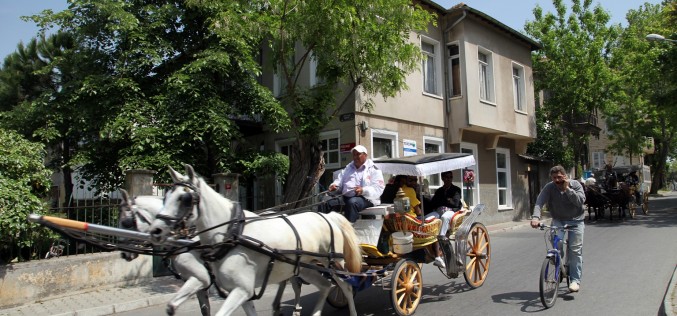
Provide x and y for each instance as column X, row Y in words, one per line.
column 351, row 249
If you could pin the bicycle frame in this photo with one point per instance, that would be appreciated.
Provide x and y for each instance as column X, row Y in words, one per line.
column 557, row 251
column 555, row 258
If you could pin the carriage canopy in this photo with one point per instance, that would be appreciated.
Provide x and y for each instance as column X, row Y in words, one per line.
column 643, row 172
column 423, row 165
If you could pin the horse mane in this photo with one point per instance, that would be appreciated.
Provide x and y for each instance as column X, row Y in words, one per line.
column 206, row 190
column 149, row 203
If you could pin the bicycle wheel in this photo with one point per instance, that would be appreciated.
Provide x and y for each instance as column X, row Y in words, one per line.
column 549, row 282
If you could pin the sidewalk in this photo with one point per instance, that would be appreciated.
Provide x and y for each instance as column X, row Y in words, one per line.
column 159, row 291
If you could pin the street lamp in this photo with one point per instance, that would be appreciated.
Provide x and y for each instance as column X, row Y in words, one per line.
column 661, row 38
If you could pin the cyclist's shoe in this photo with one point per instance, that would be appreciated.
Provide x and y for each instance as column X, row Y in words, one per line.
column 574, row 286
column 439, row 262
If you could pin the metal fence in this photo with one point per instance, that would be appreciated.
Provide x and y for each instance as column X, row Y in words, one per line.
column 101, row 210
column 87, row 207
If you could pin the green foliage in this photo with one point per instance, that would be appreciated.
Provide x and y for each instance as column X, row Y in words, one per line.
column 573, row 66
column 364, row 45
column 145, row 84
column 634, row 60
column 356, row 45
column 24, row 181
column 549, row 142
column 158, row 85
column 647, row 93
column 264, row 163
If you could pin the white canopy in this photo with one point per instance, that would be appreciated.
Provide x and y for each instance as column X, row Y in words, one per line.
column 423, row 165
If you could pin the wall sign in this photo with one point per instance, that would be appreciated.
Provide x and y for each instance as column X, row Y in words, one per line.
column 409, row 147
column 347, row 147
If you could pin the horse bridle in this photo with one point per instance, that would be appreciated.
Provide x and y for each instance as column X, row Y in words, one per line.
column 189, row 202
column 135, row 217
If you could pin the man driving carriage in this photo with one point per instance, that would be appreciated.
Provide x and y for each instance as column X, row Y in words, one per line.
column 610, row 178
column 360, row 183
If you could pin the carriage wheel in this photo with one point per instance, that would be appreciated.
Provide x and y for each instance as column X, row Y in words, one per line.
column 407, row 287
column 478, row 257
column 336, row 298
column 645, row 203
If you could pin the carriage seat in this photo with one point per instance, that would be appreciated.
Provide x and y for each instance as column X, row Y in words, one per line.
column 377, row 211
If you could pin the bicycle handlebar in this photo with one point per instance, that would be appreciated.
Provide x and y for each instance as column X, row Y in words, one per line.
column 565, row 227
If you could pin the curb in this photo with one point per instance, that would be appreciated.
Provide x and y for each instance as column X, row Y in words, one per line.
column 121, row 307
column 668, row 305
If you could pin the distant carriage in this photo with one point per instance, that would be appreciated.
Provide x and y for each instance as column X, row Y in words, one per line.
column 616, row 192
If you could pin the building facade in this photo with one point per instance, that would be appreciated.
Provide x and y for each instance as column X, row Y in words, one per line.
column 473, row 93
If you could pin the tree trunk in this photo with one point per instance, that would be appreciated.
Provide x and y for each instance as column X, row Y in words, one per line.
column 67, row 172
column 306, row 166
column 663, row 149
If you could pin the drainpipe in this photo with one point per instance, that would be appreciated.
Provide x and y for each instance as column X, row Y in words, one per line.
column 447, row 105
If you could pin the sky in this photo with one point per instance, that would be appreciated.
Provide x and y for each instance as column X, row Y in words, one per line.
column 513, row 13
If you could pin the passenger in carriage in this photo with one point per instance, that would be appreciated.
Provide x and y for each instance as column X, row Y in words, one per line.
column 408, row 185
column 633, row 179
column 390, row 191
column 360, row 183
column 446, row 202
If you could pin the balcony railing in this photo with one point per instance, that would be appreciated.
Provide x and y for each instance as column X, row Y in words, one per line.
column 582, row 123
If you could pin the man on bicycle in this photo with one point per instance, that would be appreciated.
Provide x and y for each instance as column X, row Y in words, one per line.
column 564, row 200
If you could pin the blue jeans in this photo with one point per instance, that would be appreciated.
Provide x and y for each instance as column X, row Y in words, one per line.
column 575, row 243
column 351, row 206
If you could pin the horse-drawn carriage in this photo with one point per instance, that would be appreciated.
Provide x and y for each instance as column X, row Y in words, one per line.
column 624, row 188
column 241, row 248
column 397, row 244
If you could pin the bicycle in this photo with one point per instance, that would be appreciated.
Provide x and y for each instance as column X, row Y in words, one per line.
column 56, row 249
column 554, row 269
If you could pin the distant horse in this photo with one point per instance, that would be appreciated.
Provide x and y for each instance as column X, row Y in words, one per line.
column 242, row 268
column 619, row 198
column 594, row 199
column 138, row 213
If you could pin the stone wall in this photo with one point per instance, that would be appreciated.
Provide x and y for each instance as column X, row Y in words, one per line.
column 26, row 282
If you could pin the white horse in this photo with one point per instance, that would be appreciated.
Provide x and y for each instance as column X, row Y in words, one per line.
column 241, row 270
column 138, row 213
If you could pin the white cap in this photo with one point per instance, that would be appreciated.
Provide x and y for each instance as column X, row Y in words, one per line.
column 360, row 149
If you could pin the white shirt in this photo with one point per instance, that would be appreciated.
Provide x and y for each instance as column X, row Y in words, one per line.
column 355, row 179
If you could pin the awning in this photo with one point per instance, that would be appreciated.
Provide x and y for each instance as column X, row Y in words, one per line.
column 534, row 158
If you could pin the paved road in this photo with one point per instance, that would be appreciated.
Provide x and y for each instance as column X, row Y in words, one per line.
column 628, row 266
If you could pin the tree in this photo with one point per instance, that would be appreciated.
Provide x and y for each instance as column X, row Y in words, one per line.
column 573, row 68
column 35, row 90
column 549, row 143
column 160, row 87
column 24, row 182
column 646, row 108
column 357, row 45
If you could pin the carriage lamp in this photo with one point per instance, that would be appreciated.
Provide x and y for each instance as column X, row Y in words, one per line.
column 401, row 202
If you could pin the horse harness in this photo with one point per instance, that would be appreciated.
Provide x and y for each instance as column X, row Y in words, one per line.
column 234, row 237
